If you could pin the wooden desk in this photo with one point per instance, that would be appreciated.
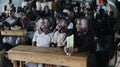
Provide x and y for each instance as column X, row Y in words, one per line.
column 55, row 56
column 22, row 33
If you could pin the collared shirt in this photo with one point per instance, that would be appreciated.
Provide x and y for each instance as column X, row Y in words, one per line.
column 59, row 38
column 42, row 39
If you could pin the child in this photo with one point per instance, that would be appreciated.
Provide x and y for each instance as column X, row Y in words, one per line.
column 42, row 38
column 59, row 35
column 83, row 40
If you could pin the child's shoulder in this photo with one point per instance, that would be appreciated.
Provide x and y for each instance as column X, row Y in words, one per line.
column 39, row 31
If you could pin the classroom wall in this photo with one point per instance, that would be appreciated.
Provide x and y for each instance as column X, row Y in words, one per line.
column 17, row 3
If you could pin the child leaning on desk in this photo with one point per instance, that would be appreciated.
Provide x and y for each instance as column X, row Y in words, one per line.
column 82, row 40
column 83, row 36
column 42, row 38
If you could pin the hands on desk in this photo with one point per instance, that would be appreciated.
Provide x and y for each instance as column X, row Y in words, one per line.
column 70, row 50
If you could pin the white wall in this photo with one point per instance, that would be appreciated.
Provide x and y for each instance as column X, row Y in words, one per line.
column 17, row 3
column 2, row 3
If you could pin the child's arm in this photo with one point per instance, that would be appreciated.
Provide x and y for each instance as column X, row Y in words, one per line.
column 34, row 39
column 33, row 43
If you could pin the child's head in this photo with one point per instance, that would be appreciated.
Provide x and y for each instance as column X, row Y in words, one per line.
column 61, row 22
column 45, row 26
column 44, row 23
column 82, row 25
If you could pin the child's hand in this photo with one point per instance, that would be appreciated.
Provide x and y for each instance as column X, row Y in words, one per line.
column 66, row 49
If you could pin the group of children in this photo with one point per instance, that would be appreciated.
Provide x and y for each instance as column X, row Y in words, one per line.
column 71, row 25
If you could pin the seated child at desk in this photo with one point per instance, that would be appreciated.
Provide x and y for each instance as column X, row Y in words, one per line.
column 83, row 40
column 42, row 38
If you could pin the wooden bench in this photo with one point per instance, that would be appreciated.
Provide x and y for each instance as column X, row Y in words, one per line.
column 55, row 56
column 22, row 33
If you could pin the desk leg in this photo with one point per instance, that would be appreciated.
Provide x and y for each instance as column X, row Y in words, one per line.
column 21, row 64
column 14, row 63
column 23, row 40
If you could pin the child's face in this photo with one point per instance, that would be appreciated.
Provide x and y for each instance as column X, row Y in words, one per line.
column 44, row 24
column 60, row 23
column 81, row 25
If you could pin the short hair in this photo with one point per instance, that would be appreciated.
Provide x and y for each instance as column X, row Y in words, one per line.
column 84, row 19
column 62, row 19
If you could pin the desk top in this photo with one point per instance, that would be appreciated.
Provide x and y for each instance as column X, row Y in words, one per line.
column 45, row 50
column 47, row 55
column 21, row 32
